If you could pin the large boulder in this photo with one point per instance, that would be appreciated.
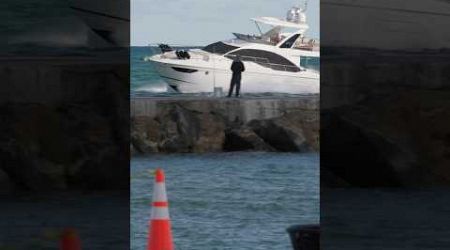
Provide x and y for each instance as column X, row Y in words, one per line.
column 31, row 151
column 178, row 130
column 47, row 148
column 211, row 133
column 401, row 139
column 309, row 122
column 145, row 134
column 29, row 171
column 244, row 139
column 141, row 145
column 75, row 135
column 281, row 134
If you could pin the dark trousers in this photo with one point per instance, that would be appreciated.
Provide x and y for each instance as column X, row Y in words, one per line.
column 235, row 81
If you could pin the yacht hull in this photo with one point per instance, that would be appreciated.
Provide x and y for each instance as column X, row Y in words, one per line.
column 205, row 79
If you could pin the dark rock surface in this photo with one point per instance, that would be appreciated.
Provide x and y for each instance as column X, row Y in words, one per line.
column 6, row 185
column 72, row 135
column 178, row 129
column 243, row 139
column 281, row 136
column 184, row 126
column 385, row 121
column 408, row 142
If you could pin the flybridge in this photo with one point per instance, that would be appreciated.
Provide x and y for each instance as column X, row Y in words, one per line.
column 295, row 19
column 277, row 22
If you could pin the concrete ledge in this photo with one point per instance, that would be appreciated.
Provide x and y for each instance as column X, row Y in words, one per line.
column 244, row 109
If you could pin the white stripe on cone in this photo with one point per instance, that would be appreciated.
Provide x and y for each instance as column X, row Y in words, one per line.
column 159, row 192
column 160, row 213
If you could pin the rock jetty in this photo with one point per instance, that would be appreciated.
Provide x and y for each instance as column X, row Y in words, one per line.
column 199, row 125
column 64, row 124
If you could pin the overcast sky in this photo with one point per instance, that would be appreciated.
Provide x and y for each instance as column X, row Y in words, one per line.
column 200, row 22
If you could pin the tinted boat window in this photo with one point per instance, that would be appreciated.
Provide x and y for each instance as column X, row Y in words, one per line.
column 290, row 42
column 219, row 48
column 266, row 59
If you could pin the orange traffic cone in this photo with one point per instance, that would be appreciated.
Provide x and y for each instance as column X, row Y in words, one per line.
column 160, row 234
column 70, row 240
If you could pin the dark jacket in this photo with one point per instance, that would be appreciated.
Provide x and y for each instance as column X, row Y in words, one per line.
column 237, row 67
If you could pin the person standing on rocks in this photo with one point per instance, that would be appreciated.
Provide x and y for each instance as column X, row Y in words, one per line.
column 237, row 67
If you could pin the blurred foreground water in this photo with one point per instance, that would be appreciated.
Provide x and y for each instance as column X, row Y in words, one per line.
column 385, row 218
column 36, row 221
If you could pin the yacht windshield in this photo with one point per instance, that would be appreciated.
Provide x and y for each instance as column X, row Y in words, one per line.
column 290, row 42
column 219, row 48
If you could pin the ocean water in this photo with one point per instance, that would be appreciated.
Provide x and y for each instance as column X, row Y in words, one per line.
column 34, row 221
column 228, row 200
column 144, row 79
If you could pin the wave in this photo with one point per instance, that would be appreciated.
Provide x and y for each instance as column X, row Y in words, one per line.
column 154, row 87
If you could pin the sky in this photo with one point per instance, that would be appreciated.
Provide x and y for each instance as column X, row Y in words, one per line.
column 201, row 22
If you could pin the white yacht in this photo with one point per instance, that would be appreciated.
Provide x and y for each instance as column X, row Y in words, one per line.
column 275, row 61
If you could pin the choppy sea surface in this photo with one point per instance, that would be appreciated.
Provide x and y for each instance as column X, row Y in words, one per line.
column 35, row 221
column 144, row 79
column 228, row 200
